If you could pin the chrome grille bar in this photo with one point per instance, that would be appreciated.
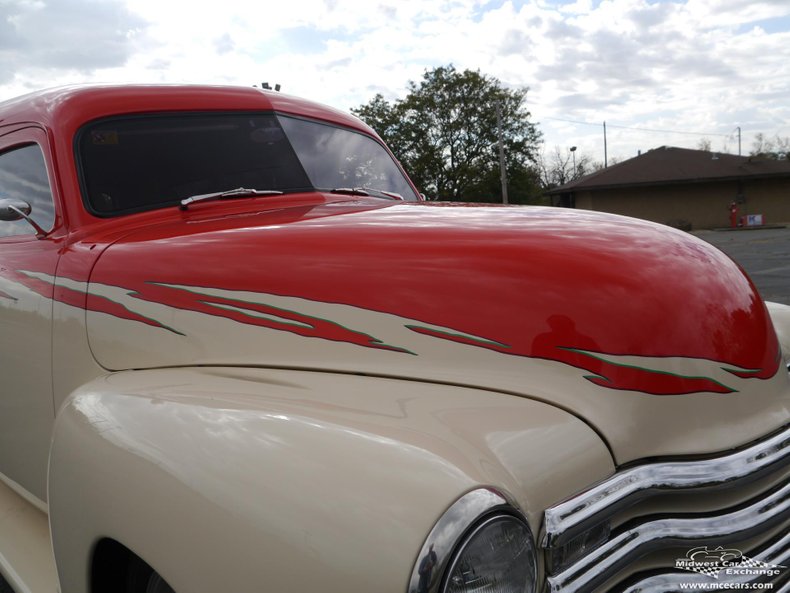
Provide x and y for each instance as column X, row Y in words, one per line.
column 596, row 567
column 568, row 519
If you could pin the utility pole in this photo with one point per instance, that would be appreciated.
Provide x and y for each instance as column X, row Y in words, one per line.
column 605, row 155
column 502, row 167
column 739, row 140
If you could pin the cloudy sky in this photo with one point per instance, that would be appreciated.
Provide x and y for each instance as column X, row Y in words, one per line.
column 657, row 72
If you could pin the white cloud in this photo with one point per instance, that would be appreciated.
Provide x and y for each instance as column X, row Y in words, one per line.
column 693, row 65
column 69, row 35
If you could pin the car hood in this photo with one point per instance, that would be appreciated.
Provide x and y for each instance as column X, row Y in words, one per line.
column 656, row 339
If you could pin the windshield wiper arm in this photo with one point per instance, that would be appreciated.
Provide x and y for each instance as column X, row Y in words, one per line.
column 239, row 192
column 367, row 191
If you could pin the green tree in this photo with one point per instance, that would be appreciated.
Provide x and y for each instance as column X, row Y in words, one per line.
column 445, row 133
column 384, row 117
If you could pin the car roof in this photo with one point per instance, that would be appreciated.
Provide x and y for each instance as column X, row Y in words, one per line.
column 72, row 106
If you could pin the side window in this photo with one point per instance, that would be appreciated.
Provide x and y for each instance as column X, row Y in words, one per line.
column 23, row 176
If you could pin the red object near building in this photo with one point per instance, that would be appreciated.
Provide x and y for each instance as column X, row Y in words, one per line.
column 733, row 215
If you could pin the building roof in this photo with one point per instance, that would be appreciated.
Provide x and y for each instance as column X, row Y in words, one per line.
column 669, row 165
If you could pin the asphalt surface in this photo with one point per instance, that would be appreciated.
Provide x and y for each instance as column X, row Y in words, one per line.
column 764, row 253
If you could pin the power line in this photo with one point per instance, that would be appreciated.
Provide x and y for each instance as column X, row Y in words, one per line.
column 598, row 125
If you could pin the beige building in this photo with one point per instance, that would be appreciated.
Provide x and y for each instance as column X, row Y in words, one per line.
column 683, row 187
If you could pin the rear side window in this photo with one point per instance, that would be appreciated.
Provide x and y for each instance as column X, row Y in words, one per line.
column 23, row 176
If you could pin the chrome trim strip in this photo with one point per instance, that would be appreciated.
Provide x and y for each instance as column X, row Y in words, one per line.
column 568, row 519
column 606, row 560
column 451, row 528
column 777, row 553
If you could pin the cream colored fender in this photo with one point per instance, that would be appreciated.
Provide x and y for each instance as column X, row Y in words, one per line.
column 780, row 315
column 228, row 479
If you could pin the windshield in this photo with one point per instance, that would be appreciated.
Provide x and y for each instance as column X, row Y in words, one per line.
column 139, row 163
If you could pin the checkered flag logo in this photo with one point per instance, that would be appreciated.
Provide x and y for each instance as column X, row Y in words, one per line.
column 710, row 571
column 712, row 562
column 747, row 562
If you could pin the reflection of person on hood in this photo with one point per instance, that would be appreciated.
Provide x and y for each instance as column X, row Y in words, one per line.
column 426, row 569
column 567, row 344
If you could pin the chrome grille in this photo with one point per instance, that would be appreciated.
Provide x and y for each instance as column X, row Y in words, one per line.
column 604, row 534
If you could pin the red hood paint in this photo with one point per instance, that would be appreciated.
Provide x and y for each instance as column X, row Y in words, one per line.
column 586, row 290
column 533, row 281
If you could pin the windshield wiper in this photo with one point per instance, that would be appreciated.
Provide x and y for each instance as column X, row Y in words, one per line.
column 367, row 191
column 239, row 192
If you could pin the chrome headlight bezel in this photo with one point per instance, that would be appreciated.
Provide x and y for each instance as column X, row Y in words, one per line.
column 457, row 527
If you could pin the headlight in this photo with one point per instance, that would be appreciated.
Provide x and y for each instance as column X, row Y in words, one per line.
column 481, row 544
column 497, row 556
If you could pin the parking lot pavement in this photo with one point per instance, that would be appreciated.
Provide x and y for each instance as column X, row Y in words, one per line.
column 763, row 253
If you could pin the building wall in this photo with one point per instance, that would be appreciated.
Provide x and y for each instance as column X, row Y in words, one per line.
column 770, row 198
column 704, row 205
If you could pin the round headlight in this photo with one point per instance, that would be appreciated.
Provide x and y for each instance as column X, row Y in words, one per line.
column 497, row 556
column 481, row 544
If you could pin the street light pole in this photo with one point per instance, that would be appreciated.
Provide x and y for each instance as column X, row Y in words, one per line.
column 573, row 152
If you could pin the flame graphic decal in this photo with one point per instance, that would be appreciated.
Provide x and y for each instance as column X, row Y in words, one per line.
column 653, row 375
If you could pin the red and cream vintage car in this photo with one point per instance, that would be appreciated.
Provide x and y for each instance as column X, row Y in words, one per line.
column 239, row 353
